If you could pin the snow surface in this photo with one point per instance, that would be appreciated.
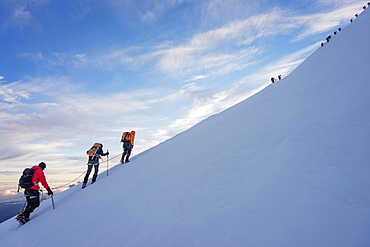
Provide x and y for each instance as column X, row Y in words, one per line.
column 289, row 166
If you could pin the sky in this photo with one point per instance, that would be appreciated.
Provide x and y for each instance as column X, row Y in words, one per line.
column 295, row 174
column 73, row 73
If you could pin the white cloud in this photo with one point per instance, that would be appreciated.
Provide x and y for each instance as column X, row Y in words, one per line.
column 218, row 12
column 231, row 47
column 21, row 16
column 145, row 11
column 339, row 3
column 324, row 22
column 228, row 48
column 54, row 59
column 196, row 77
column 53, row 117
column 204, row 107
column 158, row 8
column 11, row 93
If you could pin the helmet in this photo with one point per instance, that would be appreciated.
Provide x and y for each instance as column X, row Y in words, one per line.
column 42, row 165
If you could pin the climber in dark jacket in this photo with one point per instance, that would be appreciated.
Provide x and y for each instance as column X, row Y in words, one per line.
column 94, row 154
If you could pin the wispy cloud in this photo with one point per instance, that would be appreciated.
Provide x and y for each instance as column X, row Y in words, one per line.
column 54, row 59
column 229, row 48
column 158, row 8
column 339, row 3
column 10, row 93
column 145, row 11
column 21, row 16
column 50, row 109
column 204, row 107
column 324, row 22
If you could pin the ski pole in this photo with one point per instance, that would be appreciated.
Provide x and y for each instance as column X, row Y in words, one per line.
column 107, row 161
column 52, row 200
column 24, row 206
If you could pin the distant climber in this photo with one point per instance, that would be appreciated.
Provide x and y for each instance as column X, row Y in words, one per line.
column 279, row 77
column 273, row 79
column 128, row 139
column 94, row 155
column 35, row 175
column 328, row 38
column 322, row 43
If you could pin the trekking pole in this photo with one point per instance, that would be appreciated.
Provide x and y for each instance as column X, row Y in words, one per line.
column 107, row 161
column 24, row 206
column 52, row 200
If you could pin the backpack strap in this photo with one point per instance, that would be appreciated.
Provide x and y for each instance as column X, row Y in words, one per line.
column 126, row 137
column 34, row 175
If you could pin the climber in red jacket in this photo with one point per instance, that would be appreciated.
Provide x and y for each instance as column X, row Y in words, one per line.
column 32, row 193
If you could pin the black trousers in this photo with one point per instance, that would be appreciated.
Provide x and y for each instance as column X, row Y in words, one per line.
column 89, row 168
column 126, row 153
column 127, row 147
column 33, row 201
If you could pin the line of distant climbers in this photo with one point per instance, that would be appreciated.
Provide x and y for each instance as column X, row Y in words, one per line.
column 364, row 7
column 273, row 80
column 339, row 29
column 329, row 37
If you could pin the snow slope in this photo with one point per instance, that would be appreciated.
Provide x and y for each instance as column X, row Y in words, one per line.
column 287, row 167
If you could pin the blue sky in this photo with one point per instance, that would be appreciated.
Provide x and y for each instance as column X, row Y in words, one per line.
column 77, row 72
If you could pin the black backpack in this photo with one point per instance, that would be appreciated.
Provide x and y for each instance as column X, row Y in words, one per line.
column 25, row 181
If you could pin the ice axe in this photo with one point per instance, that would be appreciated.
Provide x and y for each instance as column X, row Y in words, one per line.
column 107, row 161
column 52, row 200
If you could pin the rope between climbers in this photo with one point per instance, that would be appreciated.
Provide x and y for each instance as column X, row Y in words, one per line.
column 84, row 173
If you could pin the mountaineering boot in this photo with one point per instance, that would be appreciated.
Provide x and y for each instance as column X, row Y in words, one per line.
column 121, row 161
column 22, row 219
column 83, row 186
column 93, row 180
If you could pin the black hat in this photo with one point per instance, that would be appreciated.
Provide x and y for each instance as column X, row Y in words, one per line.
column 42, row 165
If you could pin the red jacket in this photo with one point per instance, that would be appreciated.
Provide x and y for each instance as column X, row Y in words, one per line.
column 39, row 177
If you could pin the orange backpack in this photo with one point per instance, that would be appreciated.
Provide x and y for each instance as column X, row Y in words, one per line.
column 128, row 137
column 92, row 151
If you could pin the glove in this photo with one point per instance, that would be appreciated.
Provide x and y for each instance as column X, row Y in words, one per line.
column 49, row 191
column 107, row 153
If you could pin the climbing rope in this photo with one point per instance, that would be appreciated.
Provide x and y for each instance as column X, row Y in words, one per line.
column 84, row 173
column 64, row 185
column 69, row 182
column 113, row 157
